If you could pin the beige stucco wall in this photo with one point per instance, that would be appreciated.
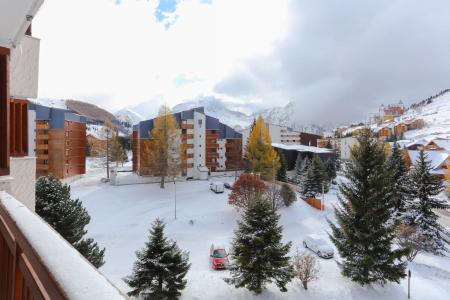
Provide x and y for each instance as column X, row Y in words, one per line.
column 25, row 68
column 23, row 185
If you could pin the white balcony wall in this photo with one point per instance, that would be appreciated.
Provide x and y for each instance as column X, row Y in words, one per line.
column 23, row 185
column 25, row 68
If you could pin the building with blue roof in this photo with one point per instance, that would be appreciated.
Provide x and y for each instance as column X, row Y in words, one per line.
column 207, row 144
column 60, row 141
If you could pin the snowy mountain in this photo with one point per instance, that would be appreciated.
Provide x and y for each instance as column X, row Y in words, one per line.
column 435, row 111
column 129, row 115
column 286, row 116
column 218, row 109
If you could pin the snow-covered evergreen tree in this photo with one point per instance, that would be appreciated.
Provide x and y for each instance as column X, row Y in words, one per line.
column 301, row 166
column 67, row 216
column 281, row 176
column 330, row 168
column 424, row 189
column 363, row 234
column 160, row 268
column 396, row 164
column 315, row 181
column 259, row 257
column 309, row 187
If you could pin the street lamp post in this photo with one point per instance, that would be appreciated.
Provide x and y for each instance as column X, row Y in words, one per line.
column 175, row 184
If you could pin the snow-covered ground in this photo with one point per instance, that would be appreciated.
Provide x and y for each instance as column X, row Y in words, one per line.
column 121, row 217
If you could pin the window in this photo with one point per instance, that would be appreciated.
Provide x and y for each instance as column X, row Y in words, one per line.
column 200, row 122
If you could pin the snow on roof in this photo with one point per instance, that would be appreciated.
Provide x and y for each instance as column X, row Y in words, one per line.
column 437, row 158
column 443, row 144
column 74, row 274
column 302, row 148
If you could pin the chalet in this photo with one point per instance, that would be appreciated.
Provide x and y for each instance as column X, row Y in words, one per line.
column 439, row 161
column 96, row 144
column 415, row 124
column 385, row 131
column 400, row 129
column 60, row 146
column 441, row 145
column 206, row 142
column 291, row 153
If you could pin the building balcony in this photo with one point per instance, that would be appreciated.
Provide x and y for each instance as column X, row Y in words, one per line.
column 37, row 263
column 212, row 145
column 42, row 147
column 42, row 125
column 186, row 136
column 187, row 126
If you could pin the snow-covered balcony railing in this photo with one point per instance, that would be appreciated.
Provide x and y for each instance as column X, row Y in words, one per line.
column 37, row 263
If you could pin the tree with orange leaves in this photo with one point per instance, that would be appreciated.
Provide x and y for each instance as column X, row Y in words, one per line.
column 261, row 156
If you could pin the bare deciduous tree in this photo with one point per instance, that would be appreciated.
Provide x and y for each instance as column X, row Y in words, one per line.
column 306, row 268
column 273, row 195
column 409, row 237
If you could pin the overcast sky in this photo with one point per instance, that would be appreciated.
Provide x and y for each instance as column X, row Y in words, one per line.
column 337, row 60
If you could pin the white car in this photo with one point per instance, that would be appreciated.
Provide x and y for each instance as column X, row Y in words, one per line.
column 318, row 245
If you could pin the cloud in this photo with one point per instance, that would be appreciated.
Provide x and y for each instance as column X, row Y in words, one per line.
column 340, row 60
column 119, row 53
column 337, row 60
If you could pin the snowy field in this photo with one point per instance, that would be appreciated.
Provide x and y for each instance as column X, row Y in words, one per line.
column 121, row 217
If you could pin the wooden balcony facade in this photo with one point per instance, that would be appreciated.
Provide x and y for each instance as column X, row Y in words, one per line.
column 26, row 264
column 42, row 141
column 187, row 126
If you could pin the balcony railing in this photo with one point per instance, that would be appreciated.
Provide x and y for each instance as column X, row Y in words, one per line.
column 37, row 263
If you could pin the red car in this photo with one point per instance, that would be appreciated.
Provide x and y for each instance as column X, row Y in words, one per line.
column 219, row 257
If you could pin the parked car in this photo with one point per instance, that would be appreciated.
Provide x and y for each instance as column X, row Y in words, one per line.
column 216, row 187
column 227, row 185
column 318, row 245
column 219, row 257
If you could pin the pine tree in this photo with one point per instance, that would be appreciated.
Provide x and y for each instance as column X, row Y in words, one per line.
column 315, row 180
column 164, row 151
column 301, row 166
column 330, row 168
column 160, row 268
column 258, row 254
column 424, row 189
column 400, row 178
column 67, row 216
column 309, row 187
column 363, row 234
column 281, row 176
column 261, row 155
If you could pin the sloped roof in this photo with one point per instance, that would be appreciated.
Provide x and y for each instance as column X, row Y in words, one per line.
column 436, row 158
column 443, row 144
column 301, row 148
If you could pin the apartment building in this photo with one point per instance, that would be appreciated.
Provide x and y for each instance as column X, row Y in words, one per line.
column 286, row 135
column 19, row 68
column 207, row 144
column 60, row 141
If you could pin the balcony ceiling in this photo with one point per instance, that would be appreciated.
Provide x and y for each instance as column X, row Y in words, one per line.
column 13, row 19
